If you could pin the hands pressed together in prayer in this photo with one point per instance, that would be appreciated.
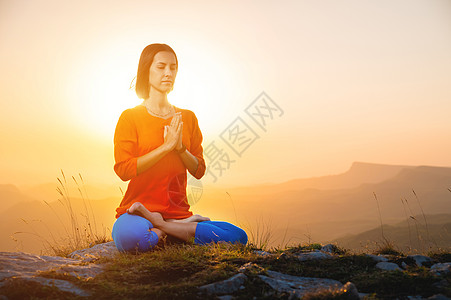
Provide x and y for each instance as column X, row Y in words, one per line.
column 173, row 133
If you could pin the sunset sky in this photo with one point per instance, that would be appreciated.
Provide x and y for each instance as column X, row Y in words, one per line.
column 356, row 81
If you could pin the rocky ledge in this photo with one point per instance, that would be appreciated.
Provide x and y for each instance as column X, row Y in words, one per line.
column 83, row 264
column 29, row 267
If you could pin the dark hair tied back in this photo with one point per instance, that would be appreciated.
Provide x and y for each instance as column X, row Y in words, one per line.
column 145, row 61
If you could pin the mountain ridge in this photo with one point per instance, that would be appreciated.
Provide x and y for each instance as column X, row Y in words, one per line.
column 325, row 213
column 359, row 173
column 411, row 233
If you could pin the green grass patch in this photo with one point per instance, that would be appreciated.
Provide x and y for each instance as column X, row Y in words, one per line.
column 175, row 271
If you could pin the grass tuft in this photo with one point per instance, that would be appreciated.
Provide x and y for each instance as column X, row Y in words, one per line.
column 387, row 248
column 80, row 229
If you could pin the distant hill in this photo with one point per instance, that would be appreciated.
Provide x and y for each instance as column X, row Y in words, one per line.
column 324, row 214
column 320, row 209
column 412, row 233
column 359, row 173
column 10, row 195
column 47, row 191
column 430, row 184
column 25, row 226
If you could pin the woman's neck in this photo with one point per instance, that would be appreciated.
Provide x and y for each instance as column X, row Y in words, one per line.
column 157, row 101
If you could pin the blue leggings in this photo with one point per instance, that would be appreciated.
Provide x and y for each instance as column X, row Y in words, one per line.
column 132, row 232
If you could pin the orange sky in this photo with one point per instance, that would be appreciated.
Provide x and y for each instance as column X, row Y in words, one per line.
column 356, row 80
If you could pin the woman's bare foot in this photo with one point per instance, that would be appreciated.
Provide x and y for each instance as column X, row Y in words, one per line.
column 193, row 218
column 135, row 208
column 181, row 231
column 139, row 209
column 199, row 218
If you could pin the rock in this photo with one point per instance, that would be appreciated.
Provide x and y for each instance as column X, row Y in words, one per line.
column 441, row 284
column 313, row 256
column 378, row 258
column 404, row 262
column 25, row 264
column 439, row 297
column 441, row 268
column 84, row 272
column 329, row 248
column 347, row 291
column 280, row 282
column 350, row 290
column 250, row 268
column 387, row 266
column 62, row 285
column 28, row 267
column 262, row 253
column 420, row 259
column 227, row 286
column 100, row 250
column 225, row 297
column 283, row 256
column 297, row 286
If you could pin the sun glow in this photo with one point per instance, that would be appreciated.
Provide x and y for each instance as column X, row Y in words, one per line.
column 99, row 92
column 103, row 86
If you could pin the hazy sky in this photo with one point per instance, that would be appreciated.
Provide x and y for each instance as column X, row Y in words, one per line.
column 356, row 80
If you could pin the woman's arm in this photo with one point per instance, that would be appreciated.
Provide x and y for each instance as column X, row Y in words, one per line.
column 196, row 151
column 190, row 161
column 148, row 160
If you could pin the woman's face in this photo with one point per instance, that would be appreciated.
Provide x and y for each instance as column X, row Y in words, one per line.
column 163, row 71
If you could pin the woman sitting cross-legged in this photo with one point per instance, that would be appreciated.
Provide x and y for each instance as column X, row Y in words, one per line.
column 155, row 143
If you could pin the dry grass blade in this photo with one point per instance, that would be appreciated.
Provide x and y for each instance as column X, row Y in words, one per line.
column 407, row 221
column 260, row 235
column 57, row 215
column 233, row 205
column 380, row 218
column 282, row 245
column 64, row 177
column 78, row 235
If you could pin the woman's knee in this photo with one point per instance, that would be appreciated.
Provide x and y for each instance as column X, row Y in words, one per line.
column 131, row 233
column 234, row 233
column 241, row 236
column 215, row 231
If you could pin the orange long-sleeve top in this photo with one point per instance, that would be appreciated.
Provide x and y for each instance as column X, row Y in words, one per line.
column 162, row 187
